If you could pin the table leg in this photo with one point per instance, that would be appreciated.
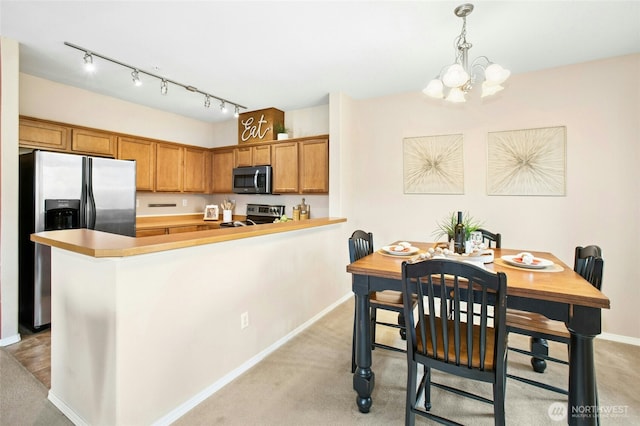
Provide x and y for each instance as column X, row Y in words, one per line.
column 363, row 378
column 583, row 394
column 539, row 346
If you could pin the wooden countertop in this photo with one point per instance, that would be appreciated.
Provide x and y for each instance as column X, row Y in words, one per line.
column 102, row 244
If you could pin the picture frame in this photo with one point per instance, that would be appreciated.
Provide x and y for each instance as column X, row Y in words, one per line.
column 433, row 164
column 211, row 212
column 527, row 162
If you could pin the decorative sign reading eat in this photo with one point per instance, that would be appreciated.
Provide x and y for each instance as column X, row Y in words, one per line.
column 258, row 126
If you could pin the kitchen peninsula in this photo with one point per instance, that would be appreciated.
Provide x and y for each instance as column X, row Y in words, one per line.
column 143, row 329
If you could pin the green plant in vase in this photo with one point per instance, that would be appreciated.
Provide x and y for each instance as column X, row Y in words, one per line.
column 447, row 225
column 279, row 128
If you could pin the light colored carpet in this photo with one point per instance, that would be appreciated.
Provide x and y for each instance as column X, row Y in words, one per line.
column 23, row 399
column 308, row 382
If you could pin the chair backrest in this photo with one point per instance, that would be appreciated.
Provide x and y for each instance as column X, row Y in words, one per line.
column 360, row 245
column 491, row 239
column 589, row 264
column 446, row 342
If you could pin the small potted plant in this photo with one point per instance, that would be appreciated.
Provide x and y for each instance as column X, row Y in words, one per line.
column 281, row 131
column 447, row 225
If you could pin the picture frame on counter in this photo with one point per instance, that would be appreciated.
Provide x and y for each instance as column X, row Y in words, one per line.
column 211, row 212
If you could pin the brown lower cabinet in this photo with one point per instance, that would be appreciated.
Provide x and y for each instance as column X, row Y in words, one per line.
column 150, row 232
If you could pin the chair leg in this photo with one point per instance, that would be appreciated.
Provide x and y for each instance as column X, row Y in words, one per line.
column 498, row 402
column 412, row 373
column 403, row 331
column 427, row 388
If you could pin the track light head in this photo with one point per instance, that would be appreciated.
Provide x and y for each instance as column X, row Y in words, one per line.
column 136, row 78
column 164, row 87
column 236, row 112
column 223, row 107
column 88, row 62
column 207, row 101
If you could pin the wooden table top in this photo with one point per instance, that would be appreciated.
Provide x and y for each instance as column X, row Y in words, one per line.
column 564, row 286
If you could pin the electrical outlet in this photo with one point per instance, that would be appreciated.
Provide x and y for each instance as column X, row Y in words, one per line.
column 244, row 320
column 184, row 202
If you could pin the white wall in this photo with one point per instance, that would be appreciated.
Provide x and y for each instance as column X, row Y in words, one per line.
column 8, row 192
column 598, row 102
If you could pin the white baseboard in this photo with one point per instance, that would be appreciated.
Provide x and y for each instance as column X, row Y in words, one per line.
column 182, row 409
column 10, row 340
column 66, row 410
column 621, row 339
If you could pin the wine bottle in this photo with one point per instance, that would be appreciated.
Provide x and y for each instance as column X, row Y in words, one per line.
column 459, row 236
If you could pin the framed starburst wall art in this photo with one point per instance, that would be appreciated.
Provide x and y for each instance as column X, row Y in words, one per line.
column 433, row 165
column 527, row 162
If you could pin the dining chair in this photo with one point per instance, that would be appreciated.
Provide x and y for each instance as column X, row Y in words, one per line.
column 360, row 245
column 491, row 239
column 475, row 350
column 589, row 264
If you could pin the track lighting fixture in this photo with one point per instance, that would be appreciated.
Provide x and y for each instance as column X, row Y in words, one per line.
column 88, row 62
column 164, row 82
column 136, row 78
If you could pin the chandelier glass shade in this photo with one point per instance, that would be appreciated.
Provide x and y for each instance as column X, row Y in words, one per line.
column 459, row 78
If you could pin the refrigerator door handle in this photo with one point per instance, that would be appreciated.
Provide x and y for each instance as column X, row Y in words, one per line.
column 90, row 201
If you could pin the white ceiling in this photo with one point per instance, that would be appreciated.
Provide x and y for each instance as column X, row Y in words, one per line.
column 291, row 55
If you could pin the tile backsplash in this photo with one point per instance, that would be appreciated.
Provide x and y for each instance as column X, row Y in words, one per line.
column 166, row 204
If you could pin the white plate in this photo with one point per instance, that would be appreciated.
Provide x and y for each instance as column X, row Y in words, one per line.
column 516, row 260
column 407, row 251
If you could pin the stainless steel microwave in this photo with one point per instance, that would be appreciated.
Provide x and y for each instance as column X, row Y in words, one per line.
column 252, row 180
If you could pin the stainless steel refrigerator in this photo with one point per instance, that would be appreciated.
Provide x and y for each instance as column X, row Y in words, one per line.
column 66, row 191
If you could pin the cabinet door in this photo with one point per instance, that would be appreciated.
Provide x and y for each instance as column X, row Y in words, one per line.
column 262, row 155
column 314, row 166
column 144, row 153
column 284, row 160
column 181, row 229
column 169, row 167
column 244, row 157
column 38, row 134
column 195, row 170
column 150, row 232
column 222, row 165
column 93, row 143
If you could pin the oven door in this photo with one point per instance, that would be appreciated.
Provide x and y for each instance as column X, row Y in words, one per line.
column 252, row 180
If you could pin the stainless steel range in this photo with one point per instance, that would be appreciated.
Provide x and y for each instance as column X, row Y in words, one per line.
column 257, row 214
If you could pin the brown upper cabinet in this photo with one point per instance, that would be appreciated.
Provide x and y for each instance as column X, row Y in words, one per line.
column 51, row 136
column 195, row 170
column 300, row 165
column 92, row 142
column 284, row 160
column 222, row 163
column 259, row 155
column 144, row 153
column 169, row 167
column 45, row 135
column 314, row 166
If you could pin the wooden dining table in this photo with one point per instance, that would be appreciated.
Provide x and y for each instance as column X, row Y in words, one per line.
column 556, row 291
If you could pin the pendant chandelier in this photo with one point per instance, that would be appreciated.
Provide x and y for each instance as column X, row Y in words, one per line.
column 460, row 77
